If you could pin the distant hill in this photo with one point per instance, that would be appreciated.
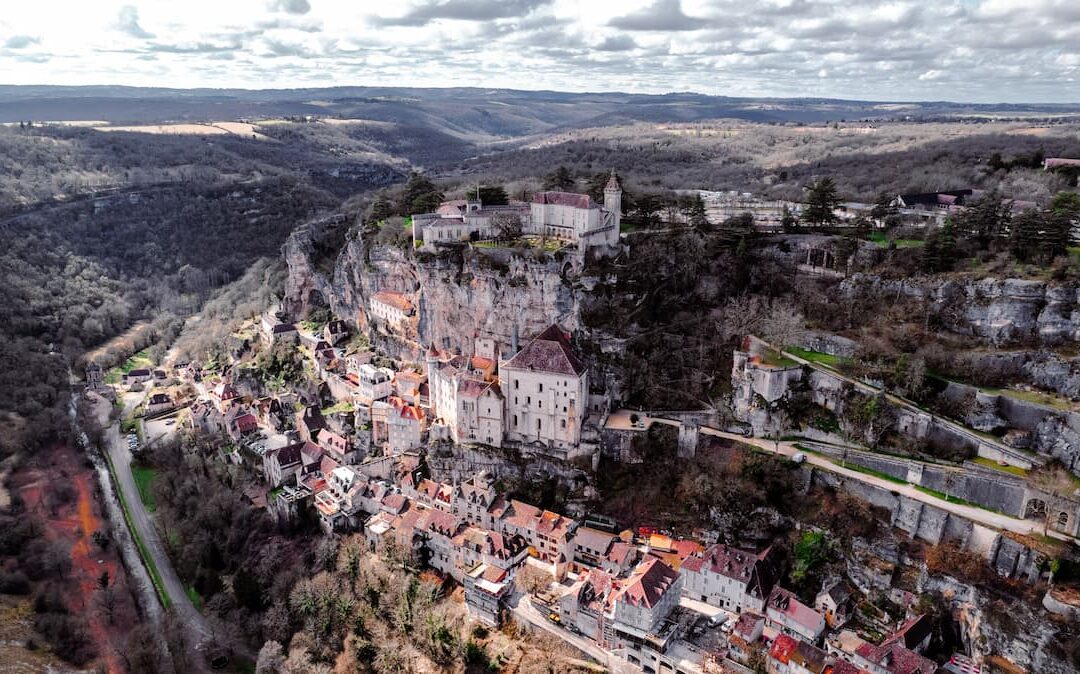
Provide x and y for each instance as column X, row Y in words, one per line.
column 471, row 114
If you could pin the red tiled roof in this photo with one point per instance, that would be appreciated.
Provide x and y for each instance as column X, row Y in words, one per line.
column 393, row 299
column 550, row 351
column 648, row 583
column 896, row 659
column 786, row 603
column 782, row 649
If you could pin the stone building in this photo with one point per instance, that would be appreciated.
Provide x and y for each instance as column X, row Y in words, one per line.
column 546, row 389
column 566, row 216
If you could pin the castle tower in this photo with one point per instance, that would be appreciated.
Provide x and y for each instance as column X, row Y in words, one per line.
column 472, row 200
column 613, row 198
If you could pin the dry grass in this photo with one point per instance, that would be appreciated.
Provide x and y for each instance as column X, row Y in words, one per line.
column 212, row 129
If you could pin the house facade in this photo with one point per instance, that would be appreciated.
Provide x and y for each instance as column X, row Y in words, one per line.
column 728, row 578
column 545, row 385
column 391, row 307
column 567, row 216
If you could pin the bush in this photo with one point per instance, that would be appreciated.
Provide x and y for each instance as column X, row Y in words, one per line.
column 14, row 583
column 68, row 636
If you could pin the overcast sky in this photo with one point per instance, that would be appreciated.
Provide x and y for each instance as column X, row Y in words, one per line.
column 970, row 50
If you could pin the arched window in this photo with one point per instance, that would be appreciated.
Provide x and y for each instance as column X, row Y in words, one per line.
column 1063, row 519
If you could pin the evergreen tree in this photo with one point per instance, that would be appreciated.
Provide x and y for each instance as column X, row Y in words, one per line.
column 493, row 196
column 421, row 195
column 380, row 209
column 821, row 204
column 884, row 207
column 788, row 221
column 987, row 218
column 1026, row 236
column 939, row 251
column 695, row 213
column 560, row 180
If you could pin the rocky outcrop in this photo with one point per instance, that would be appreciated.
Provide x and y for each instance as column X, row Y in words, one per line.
column 1000, row 629
column 999, row 311
column 459, row 293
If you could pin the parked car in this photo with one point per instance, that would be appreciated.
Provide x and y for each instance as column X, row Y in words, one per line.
column 555, row 618
column 170, row 422
column 798, row 457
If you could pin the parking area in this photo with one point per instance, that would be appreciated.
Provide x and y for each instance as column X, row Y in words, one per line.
column 159, row 429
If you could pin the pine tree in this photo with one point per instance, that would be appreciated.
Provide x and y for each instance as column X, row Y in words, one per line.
column 1025, row 236
column 821, row 204
column 560, row 180
column 695, row 213
column 788, row 221
column 421, row 195
column 883, row 207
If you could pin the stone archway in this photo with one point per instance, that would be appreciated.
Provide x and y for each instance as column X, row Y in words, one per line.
column 1035, row 509
column 1061, row 522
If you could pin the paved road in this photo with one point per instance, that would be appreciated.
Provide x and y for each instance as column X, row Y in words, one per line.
column 620, row 419
column 120, row 457
column 991, row 519
column 522, row 608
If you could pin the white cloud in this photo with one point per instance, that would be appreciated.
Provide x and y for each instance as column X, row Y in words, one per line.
column 960, row 50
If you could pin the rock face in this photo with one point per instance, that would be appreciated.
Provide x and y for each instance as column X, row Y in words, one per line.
column 999, row 311
column 996, row 629
column 459, row 294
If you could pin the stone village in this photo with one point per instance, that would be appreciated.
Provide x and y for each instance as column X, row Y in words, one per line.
column 633, row 597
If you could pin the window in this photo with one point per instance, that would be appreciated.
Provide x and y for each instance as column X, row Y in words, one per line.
column 528, row 400
column 562, row 422
column 540, row 404
column 517, row 384
column 515, row 421
column 538, row 424
column 540, row 387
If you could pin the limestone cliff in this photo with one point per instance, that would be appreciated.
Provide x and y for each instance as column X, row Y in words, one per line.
column 1005, row 632
column 998, row 311
column 459, row 294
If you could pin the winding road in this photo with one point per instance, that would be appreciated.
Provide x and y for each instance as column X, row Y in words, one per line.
column 620, row 419
column 120, row 457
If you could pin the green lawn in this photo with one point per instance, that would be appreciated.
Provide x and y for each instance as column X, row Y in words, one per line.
column 855, row 467
column 113, row 376
column 990, row 463
column 195, row 597
column 816, row 356
column 773, row 359
column 343, row 406
column 144, row 480
column 880, row 239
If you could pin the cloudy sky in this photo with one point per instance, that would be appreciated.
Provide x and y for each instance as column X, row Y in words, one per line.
column 969, row 50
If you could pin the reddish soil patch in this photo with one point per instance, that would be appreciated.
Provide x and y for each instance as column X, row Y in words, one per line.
column 58, row 488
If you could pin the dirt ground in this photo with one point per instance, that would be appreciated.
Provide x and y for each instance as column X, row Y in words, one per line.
column 73, row 523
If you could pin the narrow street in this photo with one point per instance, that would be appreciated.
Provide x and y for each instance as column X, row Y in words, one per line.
column 522, row 608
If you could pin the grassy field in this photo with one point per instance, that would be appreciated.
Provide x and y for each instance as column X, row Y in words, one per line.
column 773, row 359
column 138, row 360
column 990, row 463
column 815, row 356
column 144, row 480
column 1037, row 397
column 343, row 406
column 880, row 239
